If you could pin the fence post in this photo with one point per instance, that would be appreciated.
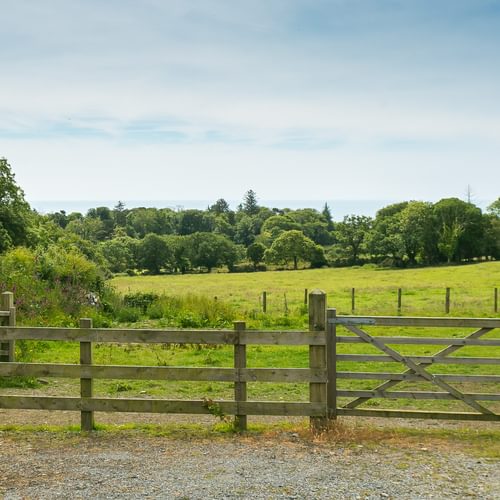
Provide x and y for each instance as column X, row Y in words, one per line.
column 86, row 384
column 353, row 300
column 317, row 355
column 495, row 300
column 8, row 347
column 400, row 294
column 331, row 364
column 305, row 296
column 447, row 301
column 264, row 301
column 240, row 388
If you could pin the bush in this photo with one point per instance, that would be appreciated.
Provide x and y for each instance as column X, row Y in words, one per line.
column 50, row 288
column 128, row 315
column 141, row 300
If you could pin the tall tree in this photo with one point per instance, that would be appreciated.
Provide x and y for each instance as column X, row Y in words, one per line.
column 250, row 205
column 457, row 219
column 327, row 215
column 15, row 213
column 416, row 228
column 120, row 214
column 351, row 234
column 155, row 253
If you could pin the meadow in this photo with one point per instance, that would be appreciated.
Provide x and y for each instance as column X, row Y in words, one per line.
column 423, row 289
column 238, row 296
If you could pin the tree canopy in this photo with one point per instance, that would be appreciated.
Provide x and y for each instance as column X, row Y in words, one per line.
column 15, row 212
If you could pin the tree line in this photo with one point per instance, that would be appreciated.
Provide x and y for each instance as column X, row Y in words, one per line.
column 252, row 237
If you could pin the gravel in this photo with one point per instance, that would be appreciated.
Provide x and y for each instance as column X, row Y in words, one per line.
column 133, row 465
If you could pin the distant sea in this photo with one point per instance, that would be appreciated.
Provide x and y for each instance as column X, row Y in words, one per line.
column 338, row 208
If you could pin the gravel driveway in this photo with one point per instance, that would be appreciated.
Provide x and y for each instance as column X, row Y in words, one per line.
column 284, row 465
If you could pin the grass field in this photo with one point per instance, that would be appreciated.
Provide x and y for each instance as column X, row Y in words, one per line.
column 423, row 295
column 376, row 289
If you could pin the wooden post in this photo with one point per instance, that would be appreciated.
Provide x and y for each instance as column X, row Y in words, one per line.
column 317, row 355
column 8, row 347
column 495, row 299
column 353, row 300
column 86, row 384
column 264, row 301
column 447, row 301
column 400, row 294
column 331, row 364
column 240, row 388
column 305, row 296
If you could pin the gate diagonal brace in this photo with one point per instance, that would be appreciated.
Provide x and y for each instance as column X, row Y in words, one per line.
column 417, row 369
column 441, row 354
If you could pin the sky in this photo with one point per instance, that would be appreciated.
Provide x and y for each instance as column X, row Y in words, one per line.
column 295, row 99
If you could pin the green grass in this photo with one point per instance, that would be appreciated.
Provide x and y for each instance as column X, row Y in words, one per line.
column 376, row 289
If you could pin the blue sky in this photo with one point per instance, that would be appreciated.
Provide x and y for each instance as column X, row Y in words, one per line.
column 296, row 99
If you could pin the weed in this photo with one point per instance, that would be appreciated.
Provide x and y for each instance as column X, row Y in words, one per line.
column 215, row 409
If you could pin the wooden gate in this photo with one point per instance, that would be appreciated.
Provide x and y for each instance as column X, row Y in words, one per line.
column 417, row 368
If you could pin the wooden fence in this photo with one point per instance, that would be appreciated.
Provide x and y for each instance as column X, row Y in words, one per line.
column 321, row 375
column 399, row 304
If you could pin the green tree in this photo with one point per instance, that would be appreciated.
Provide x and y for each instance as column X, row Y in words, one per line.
column 211, row 250
column 221, row 206
column 494, row 208
column 222, row 225
column 277, row 224
column 250, row 205
column 492, row 235
column 142, row 221
column 105, row 215
column 385, row 239
column 416, row 228
column 247, row 228
column 60, row 218
column 154, row 253
column 120, row 253
column 465, row 222
column 351, row 234
column 327, row 216
column 180, row 252
column 449, row 238
column 291, row 246
column 195, row 221
column 312, row 223
column 120, row 214
column 255, row 253
column 16, row 217
column 88, row 228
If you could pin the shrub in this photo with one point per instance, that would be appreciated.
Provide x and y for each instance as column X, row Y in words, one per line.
column 141, row 300
column 128, row 315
